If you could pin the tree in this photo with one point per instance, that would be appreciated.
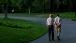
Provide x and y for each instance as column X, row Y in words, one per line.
column 74, row 7
column 51, row 5
column 28, row 4
column 7, row 3
column 55, row 7
column 40, row 5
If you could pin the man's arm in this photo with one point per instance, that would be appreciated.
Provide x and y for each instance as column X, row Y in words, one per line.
column 60, row 21
column 55, row 22
column 47, row 22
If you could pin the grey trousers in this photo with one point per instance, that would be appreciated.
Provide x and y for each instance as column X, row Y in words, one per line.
column 51, row 32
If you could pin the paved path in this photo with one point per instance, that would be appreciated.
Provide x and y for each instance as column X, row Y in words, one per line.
column 68, row 32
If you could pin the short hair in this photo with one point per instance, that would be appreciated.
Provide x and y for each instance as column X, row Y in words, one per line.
column 57, row 14
column 50, row 15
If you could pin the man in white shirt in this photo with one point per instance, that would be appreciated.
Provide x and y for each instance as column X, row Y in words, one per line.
column 49, row 23
column 57, row 23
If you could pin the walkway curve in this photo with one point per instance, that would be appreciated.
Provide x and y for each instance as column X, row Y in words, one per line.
column 68, row 30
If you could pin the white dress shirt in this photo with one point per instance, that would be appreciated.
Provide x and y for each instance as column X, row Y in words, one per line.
column 57, row 20
column 49, row 21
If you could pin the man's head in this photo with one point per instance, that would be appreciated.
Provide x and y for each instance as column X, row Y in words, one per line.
column 58, row 15
column 50, row 15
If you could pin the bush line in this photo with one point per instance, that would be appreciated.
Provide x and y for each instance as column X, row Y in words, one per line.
column 15, row 24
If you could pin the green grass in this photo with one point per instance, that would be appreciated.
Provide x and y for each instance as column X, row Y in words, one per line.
column 64, row 15
column 18, row 35
column 43, row 15
column 9, row 34
column 73, row 19
column 14, row 24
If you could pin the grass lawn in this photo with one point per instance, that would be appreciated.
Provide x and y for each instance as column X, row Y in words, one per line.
column 43, row 15
column 18, row 35
column 64, row 15
column 17, row 31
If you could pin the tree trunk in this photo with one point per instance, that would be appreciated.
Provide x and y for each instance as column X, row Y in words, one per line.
column 61, row 6
column 74, row 7
column 5, row 9
column 51, row 5
column 43, row 7
column 29, row 11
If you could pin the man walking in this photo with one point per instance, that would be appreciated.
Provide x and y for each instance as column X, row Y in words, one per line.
column 57, row 23
column 49, row 23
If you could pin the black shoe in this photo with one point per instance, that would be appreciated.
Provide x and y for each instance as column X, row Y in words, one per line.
column 58, row 37
column 49, row 39
column 53, row 39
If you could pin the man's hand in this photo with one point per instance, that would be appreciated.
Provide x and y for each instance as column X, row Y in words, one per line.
column 57, row 25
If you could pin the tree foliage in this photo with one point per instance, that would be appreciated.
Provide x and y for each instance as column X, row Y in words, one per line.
column 38, row 5
column 10, row 3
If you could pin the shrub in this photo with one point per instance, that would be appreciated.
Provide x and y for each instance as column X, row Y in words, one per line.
column 15, row 24
column 74, row 19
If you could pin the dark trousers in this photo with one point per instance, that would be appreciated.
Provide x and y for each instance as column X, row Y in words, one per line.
column 51, row 32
